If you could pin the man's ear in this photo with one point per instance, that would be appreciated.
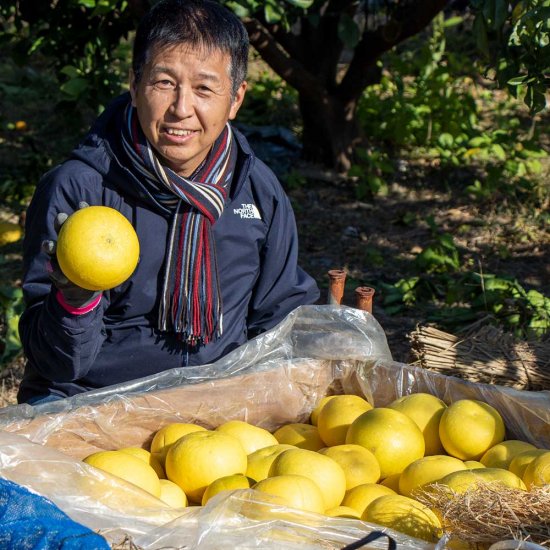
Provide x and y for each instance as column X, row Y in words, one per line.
column 238, row 100
column 133, row 86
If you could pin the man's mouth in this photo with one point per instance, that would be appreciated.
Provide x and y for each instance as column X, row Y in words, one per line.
column 177, row 132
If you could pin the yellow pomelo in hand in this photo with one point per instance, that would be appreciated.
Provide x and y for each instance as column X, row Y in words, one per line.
column 426, row 410
column 537, row 472
column 294, row 491
column 146, row 456
column 359, row 464
column 342, row 512
column 461, row 481
column 127, row 467
column 199, row 458
column 303, row 436
column 97, row 248
column 393, row 438
column 168, row 435
column 172, row 494
column 326, row 473
column 361, row 496
column 473, row 464
column 226, row 483
column 251, row 437
column 501, row 454
column 468, row 428
column 522, row 460
column 427, row 470
column 315, row 412
column 405, row 515
column 260, row 461
column 335, row 417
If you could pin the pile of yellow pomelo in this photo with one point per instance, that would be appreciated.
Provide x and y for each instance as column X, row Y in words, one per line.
column 352, row 460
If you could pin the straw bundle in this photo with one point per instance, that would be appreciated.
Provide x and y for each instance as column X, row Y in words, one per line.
column 488, row 356
column 490, row 512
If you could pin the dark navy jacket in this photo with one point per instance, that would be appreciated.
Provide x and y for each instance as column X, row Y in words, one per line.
column 257, row 250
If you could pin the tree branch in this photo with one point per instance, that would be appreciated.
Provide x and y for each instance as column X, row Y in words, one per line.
column 288, row 68
column 405, row 22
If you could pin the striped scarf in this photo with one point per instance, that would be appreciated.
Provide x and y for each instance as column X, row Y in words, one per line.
column 190, row 302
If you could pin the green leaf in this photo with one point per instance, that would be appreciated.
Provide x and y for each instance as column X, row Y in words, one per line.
column 271, row 14
column 304, row 4
column 74, row 87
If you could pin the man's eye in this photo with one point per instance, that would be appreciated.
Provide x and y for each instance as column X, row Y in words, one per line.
column 164, row 84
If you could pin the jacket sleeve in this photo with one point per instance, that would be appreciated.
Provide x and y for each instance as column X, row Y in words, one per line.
column 61, row 346
column 282, row 285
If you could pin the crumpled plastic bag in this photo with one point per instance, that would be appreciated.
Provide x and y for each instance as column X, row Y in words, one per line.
column 275, row 378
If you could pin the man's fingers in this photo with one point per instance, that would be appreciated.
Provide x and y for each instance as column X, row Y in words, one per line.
column 83, row 204
column 60, row 220
column 49, row 247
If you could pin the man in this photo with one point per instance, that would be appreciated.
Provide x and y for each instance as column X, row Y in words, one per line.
column 218, row 242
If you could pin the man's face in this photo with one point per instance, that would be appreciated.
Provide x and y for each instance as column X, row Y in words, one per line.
column 183, row 101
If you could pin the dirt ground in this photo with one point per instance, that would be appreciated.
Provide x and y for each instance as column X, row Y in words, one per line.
column 371, row 242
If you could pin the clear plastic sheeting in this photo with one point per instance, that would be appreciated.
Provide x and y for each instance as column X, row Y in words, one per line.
column 274, row 379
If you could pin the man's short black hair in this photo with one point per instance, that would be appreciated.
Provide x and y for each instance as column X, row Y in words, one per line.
column 199, row 23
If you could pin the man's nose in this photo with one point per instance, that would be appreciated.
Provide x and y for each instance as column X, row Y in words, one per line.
column 182, row 106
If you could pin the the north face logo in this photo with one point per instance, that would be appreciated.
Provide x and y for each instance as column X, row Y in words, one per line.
column 247, row 211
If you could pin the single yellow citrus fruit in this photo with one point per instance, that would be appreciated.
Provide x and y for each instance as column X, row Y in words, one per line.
column 172, row 494
column 294, row 491
column 251, row 437
column 199, row 458
column 315, row 412
column 342, row 512
column 304, row 436
column 537, row 473
column 461, row 481
column 391, row 482
column 468, row 428
column 359, row 464
column 522, row 460
column 127, row 467
column 97, row 248
column 361, row 496
column 405, row 515
column 168, row 435
column 226, row 483
column 322, row 470
column 427, row 470
column 335, row 417
column 501, row 454
column 393, row 438
column 426, row 410
column 259, row 462
column 146, row 456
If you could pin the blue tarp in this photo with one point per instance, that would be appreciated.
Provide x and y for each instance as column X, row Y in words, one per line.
column 29, row 521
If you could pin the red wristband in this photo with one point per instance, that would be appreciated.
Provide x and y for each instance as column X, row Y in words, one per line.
column 77, row 310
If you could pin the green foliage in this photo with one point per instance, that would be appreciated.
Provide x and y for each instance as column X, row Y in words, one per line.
column 369, row 172
column 441, row 255
column 11, row 304
column 422, row 106
column 82, row 41
column 514, row 37
column 457, row 300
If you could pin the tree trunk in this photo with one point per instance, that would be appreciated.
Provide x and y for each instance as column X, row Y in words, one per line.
column 330, row 130
column 309, row 60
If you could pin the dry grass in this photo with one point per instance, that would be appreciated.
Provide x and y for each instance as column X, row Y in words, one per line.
column 488, row 513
